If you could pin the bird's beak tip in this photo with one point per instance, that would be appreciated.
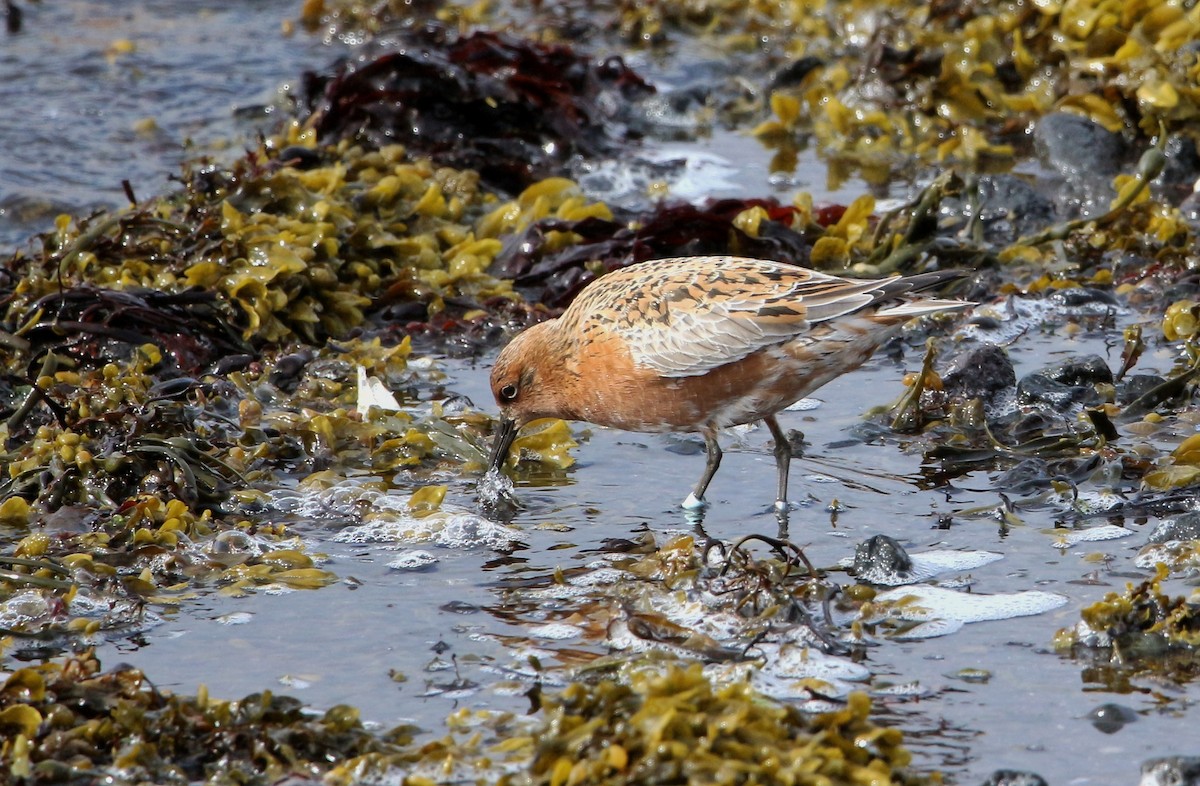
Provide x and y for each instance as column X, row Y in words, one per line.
column 505, row 434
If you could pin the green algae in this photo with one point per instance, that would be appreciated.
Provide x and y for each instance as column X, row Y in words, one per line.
column 675, row 727
column 70, row 722
column 297, row 255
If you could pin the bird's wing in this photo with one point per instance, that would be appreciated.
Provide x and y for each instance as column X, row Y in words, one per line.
column 683, row 318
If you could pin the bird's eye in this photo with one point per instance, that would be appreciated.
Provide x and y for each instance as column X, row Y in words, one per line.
column 508, row 393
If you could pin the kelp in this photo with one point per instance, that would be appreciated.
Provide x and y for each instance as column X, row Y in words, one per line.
column 877, row 86
column 1141, row 631
column 551, row 271
column 673, row 726
column 511, row 109
column 71, row 722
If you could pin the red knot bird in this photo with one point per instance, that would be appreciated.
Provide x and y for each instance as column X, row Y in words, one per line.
column 698, row 344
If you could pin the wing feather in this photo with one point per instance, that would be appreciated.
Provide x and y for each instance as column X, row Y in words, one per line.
column 686, row 316
column 707, row 312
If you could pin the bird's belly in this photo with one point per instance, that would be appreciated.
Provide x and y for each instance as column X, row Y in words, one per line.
column 742, row 392
column 747, row 390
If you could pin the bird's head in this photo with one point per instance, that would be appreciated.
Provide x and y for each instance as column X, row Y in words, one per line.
column 523, row 382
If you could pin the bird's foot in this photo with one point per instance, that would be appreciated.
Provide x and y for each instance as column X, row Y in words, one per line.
column 694, row 503
column 783, row 510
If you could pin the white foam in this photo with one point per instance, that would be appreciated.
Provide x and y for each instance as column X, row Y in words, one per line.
column 1068, row 538
column 943, row 611
column 413, row 559
column 926, row 565
column 495, row 488
column 556, row 631
column 235, row 618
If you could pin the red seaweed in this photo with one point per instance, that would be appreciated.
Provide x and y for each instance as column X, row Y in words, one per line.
column 510, row 108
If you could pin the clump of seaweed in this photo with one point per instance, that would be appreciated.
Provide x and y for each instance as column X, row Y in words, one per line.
column 877, row 87
column 70, row 722
column 511, row 109
column 1141, row 623
column 673, row 726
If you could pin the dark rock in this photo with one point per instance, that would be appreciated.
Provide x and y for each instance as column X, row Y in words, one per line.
column 1182, row 169
column 794, row 72
column 287, row 371
column 880, row 559
column 512, row 109
column 1014, row 778
column 1083, row 370
column 1016, row 427
column 1011, row 208
column 1185, row 527
column 1035, row 474
column 1040, row 389
column 299, row 157
column 980, row 372
column 1084, row 298
column 1190, row 208
column 1111, row 718
column 1135, row 386
column 1068, row 382
column 1077, row 147
column 1029, row 476
column 1171, row 771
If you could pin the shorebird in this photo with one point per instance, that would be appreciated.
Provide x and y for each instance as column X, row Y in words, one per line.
column 698, row 344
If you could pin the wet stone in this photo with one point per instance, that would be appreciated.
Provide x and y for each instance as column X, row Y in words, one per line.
column 1181, row 170
column 980, row 372
column 1026, row 477
column 1011, row 208
column 1171, row 771
column 1077, row 147
column 1135, row 386
column 794, row 72
column 1038, row 388
column 1014, row 778
column 512, row 109
column 1084, row 300
column 1110, row 718
column 1185, row 527
column 880, row 558
column 1072, row 381
column 1014, row 428
column 1084, row 370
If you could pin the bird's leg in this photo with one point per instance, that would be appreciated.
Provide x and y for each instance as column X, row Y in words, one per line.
column 783, row 458
column 695, row 500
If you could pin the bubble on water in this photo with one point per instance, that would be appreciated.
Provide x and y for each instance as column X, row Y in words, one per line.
column 452, row 530
column 941, row 611
column 907, row 689
column 601, row 576
column 295, row 682
column 924, row 566
column 22, row 608
column 495, row 489
column 805, row 405
column 235, row 618
column 386, row 517
column 557, row 631
column 796, row 662
column 413, row 559
column 1066, row 539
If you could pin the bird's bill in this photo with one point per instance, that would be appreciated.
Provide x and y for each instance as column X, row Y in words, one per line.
column 504, row 439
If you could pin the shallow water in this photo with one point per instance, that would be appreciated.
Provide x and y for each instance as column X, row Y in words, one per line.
column 439, row 625
column 99, row 91
column 74, row 141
